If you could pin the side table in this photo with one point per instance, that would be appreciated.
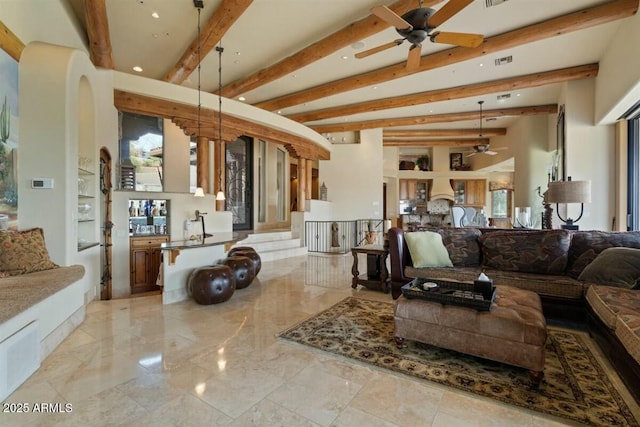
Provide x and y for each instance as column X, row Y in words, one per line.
column 377, row 277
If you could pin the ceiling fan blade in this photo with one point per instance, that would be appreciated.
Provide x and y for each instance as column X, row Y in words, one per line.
column 472, row 154
column 377, row 49
column 491, row 153
column 390, row 17
column 413, row 60
column 447, row 11
column 458, row 39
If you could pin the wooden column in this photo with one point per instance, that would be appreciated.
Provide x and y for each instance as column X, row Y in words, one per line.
column 302, row 182
column 307, row 187
column 202, row 163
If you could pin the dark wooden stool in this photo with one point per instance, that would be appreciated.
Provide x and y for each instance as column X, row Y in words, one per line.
column 253, row 256
column 242, row 268
column 211, row 284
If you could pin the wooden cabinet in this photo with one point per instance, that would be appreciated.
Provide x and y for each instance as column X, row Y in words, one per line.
column 145, row 258
column 414, row 189
column 469, row 192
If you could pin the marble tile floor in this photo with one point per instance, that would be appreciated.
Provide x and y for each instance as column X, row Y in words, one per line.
column 135, row 362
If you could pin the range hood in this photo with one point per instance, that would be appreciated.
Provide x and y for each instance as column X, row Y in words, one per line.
column 441, row 189
column 440, row 186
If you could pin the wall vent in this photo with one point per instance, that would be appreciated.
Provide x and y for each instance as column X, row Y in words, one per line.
column 504, row 97
column 491, row 3
column 19, row 358
column 504, row 60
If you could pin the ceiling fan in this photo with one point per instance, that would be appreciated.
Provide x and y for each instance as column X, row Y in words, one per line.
column 483, row 148
column 418, row 24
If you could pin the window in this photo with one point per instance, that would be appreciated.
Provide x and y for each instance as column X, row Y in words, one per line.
column 141, row 151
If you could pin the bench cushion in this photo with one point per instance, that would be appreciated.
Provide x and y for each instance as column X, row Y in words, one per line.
column 18, row 293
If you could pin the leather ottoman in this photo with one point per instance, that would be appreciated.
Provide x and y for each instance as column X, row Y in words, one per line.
column 211, row 284
column 514, row 331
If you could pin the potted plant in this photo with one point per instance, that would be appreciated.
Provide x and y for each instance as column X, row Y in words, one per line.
column 423, row 162
column 371, row 235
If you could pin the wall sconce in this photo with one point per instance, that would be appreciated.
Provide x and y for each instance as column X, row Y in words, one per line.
column 569, row 192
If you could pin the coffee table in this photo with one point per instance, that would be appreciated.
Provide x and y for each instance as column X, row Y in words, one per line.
column 514, row 331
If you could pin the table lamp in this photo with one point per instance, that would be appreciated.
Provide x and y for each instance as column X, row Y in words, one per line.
column 569, row 192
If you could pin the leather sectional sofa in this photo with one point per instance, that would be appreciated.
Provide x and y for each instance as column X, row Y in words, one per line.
column 553, row 264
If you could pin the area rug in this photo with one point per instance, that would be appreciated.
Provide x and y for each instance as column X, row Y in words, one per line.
column 574, row 387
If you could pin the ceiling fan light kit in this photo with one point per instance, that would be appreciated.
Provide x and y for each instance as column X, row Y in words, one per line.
column 417, row 25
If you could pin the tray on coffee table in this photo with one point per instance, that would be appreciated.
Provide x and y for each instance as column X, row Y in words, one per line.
column 448, row 292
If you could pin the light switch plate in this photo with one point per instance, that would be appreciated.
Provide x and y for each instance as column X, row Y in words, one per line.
column 42, row 183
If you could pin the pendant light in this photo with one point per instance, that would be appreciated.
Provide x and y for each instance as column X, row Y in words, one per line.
column 199, row 5
column 220, row 195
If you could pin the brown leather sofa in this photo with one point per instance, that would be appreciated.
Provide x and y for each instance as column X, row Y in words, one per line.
column 548, row 262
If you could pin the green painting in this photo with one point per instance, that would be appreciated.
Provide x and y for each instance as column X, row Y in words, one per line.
column 8, row 142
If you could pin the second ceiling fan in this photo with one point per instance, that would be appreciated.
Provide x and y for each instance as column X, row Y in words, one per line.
column 418, row 24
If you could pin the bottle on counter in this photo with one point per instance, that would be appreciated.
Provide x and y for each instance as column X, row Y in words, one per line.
column 133, row 211
column 163, row 210
column 154, row 209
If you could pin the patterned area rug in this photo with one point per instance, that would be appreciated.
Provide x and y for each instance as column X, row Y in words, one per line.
column 575, row 386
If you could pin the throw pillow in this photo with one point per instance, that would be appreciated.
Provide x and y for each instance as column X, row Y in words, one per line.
column 543, row 251
column 24, row 252
column 619, row 267
column 586, row 245
column 427, row 250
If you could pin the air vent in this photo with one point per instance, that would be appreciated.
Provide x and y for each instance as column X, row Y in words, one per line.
column 504, row 60
column 504, row 97
column 491, row 119
column 491, row 3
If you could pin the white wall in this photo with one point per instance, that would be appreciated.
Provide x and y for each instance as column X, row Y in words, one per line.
column 353, row 177
column 590, row 155
column 618, row 81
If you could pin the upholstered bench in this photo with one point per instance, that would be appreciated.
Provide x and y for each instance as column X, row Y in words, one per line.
column 514, row 331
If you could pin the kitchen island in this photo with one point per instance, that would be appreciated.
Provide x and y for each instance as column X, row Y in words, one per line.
column 180, row 257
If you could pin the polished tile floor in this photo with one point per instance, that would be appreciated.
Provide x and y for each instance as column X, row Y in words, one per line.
column 135, row 362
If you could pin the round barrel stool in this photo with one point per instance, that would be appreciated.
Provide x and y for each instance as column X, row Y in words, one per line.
column 253, row 256
column 235, row 249
column 242, row 268
column 211, row 284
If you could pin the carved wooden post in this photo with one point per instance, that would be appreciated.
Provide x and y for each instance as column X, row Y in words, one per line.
column 302, row 180
column 309, row 167
column 202, row 163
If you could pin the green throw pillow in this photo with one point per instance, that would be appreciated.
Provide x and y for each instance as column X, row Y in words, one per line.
column 617, row 266
column 427, row 250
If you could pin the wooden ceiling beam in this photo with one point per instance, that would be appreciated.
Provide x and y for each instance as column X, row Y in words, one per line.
column 175, row 111
column 426, row 133
column 97, row 24
column 436, row 118
column 344, row 37
column 10, row 43
column 221, row 20
column 586, row 18
column 435, row 142
column 458, row 92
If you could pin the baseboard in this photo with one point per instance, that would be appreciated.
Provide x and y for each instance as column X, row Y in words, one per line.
column 59, row 334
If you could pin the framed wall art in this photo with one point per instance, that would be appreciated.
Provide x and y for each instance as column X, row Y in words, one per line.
column 455, row 160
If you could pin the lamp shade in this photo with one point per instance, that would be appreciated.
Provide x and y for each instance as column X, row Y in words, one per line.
column 220, row 196
column 199, row 192
column 569, row 192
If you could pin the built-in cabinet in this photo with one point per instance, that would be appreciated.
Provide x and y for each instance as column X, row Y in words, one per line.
column 469, row 192
column 414, row 189
column 146, row 258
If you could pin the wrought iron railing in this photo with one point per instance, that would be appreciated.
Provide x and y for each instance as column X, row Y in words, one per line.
column 340, row 236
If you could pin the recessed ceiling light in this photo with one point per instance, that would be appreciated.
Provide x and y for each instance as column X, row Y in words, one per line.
column 155, row 15
column 155, row 35
column 242, row 98
column 137, row 69
column 294, row 75
column 279, row 111
column 345, row 57
column 375, row 87
column 357, row 45
column 481, row 64
column 237, row 53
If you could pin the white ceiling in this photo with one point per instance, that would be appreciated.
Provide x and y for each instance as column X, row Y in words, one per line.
column 271, row 30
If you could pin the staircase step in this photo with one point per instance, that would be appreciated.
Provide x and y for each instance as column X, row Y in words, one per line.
column 274, row 245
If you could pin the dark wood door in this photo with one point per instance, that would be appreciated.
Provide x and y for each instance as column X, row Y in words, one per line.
column 139, row 269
